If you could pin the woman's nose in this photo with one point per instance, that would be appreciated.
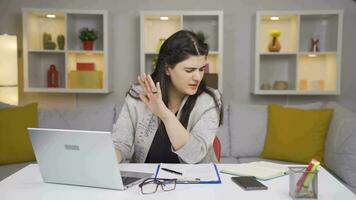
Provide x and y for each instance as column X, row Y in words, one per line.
column 197, row 76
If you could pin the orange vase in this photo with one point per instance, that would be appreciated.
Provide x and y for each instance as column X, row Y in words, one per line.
column 274, row 45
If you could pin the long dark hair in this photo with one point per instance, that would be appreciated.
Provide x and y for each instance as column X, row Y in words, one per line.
column 177, row 48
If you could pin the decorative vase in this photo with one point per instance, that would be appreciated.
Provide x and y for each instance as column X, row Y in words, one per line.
column 52, row 77
column 88, row 45
column 60, row 42
column 47, row 41
column 280, row 85
column 314, row 44
column 274, row 45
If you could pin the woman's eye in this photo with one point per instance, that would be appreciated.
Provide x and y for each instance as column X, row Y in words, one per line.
column 189, row 71
column 201, row 69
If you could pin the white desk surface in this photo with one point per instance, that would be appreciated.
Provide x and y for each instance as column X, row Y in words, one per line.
column 27, row 184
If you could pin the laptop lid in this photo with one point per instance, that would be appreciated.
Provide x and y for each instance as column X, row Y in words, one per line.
column 77, row 157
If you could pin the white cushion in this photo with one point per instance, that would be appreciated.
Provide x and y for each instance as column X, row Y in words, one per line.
column 340, row 148
column 100, row 118
column 224, row 133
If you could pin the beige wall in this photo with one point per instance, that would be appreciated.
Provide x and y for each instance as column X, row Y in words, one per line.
column 238, row 43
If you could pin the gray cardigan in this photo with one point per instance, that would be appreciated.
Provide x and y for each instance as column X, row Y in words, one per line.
column 136, row 126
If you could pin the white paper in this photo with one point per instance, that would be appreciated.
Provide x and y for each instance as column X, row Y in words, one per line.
column 190, row 172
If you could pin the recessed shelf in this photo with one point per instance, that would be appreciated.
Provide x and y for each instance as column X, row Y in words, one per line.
column 38, row 24
column 39, row 63
column 281, row 68
column 153, row 29
column 322, row 27
column 287, row 25
column 318, row 73
column 77, row 21
column 207, row 24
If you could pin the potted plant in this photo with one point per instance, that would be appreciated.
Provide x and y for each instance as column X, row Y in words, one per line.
column 88, row 36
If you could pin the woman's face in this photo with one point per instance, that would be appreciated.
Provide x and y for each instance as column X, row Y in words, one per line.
column 186, row 75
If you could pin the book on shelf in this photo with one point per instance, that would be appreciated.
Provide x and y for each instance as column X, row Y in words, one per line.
column 262, row 170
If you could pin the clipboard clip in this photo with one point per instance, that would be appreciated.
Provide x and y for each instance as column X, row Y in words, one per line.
column 197, row 180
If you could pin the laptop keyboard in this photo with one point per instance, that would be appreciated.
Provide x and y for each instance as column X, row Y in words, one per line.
column 127, row 180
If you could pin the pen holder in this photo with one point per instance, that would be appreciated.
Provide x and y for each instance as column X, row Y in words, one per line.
column 302, row 184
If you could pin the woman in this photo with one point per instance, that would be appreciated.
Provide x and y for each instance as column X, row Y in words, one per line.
column 173, row 116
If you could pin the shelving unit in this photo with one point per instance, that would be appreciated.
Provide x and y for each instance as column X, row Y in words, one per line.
column 152, row 29
column 306, row 72
column 37, row 59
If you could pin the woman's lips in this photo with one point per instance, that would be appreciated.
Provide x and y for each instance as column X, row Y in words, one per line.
column 193, row 86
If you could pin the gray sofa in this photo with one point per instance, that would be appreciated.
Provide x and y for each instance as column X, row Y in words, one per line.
column 242, row 135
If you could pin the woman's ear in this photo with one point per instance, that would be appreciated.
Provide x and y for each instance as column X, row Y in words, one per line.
column 167, row 70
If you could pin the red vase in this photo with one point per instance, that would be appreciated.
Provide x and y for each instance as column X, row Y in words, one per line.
column 88, row 45
column 52, row 77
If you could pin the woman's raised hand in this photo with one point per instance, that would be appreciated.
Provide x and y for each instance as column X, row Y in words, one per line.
column 153, row 95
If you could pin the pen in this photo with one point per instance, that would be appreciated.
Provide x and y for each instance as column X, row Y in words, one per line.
column 171, row 171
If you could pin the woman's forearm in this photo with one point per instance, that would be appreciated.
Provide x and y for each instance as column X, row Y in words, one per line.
column 177, row 134
column 118, row 156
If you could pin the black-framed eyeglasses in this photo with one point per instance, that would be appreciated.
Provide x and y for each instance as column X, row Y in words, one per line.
column 150, row 185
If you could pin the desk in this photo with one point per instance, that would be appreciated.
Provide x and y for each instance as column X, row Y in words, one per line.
column 27, row 184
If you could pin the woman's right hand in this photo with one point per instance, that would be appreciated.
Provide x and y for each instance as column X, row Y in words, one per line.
column 153, row 96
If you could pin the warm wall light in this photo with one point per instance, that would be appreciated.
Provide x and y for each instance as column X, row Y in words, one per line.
column 164, row 18
column 51, row 16
column 274, row 18
column 312, row 55
column 8, row 70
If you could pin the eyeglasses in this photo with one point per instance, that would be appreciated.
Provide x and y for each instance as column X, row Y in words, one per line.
column 150, row 185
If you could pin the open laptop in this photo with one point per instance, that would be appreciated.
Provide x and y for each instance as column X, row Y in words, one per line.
column 77, row 157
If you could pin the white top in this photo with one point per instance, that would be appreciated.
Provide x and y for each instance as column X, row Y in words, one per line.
column 27, row 184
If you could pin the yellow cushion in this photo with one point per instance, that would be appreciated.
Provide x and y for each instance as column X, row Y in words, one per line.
column 296, row 135
column 15, row 145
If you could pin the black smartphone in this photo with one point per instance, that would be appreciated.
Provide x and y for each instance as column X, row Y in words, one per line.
column 248, row 183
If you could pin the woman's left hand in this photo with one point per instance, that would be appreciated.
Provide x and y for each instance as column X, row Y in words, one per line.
column 153, row 96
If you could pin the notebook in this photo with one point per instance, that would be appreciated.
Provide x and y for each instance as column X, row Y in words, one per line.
column 262, row 170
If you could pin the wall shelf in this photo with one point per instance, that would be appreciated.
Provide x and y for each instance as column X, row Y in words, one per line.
column 306, row 72
column 37, row 59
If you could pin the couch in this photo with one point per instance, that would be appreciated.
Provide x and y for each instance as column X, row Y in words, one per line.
column 242, row 135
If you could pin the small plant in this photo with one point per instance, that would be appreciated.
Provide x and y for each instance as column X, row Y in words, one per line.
column 86, row 34
column 201, row 36
column 275, row 33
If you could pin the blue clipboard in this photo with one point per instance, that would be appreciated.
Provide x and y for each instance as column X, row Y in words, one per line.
column 218, row 181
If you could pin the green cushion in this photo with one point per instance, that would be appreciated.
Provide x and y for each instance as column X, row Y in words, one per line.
column 15, row 144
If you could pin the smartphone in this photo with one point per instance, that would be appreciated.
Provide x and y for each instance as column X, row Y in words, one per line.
column 249, row 183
